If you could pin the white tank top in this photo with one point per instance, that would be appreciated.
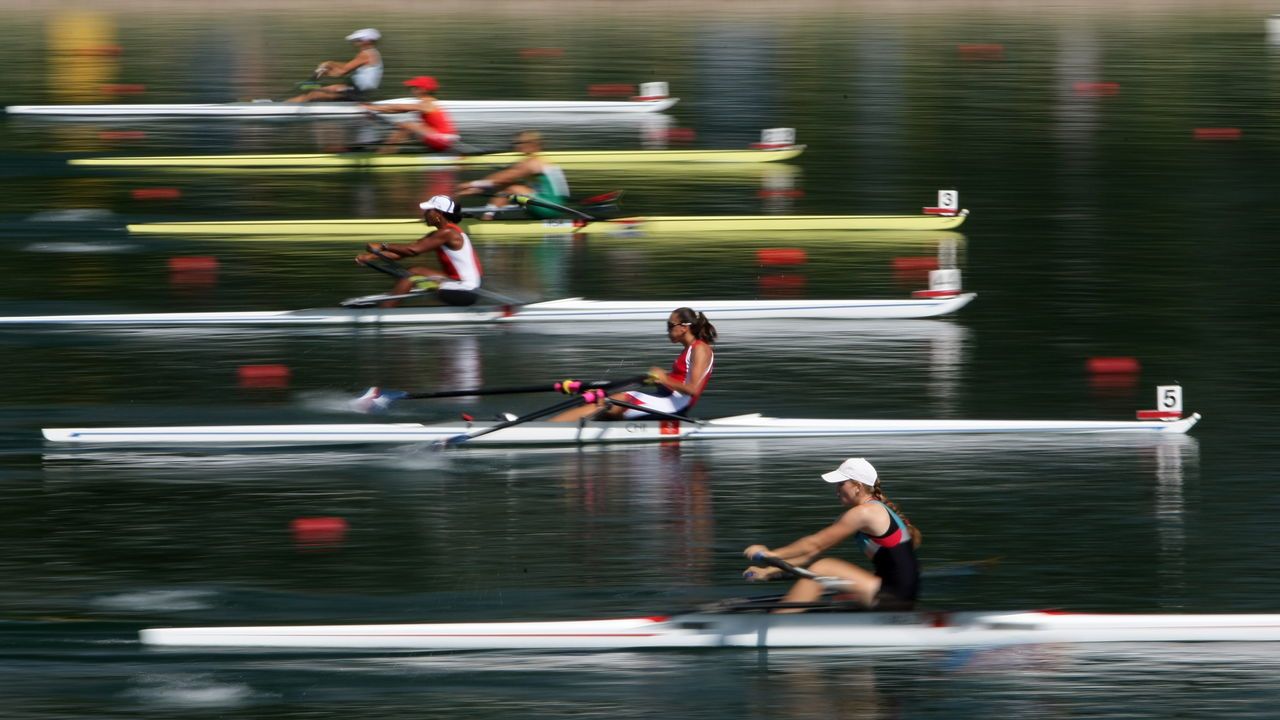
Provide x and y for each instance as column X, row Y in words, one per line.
column 369, row 76
column 461, row 265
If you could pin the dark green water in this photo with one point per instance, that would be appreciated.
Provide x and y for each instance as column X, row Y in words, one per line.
column 1100, row 227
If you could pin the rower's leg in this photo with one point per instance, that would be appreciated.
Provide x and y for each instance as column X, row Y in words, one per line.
column 613, row 412
column 863, row 585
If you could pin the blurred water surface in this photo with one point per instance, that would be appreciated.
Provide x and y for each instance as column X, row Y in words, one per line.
column 1100, row 227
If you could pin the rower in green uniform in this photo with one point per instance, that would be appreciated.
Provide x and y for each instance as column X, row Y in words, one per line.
column 532, row 176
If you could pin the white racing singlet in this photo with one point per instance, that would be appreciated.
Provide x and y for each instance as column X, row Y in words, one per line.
column 461, row 266
column 369, row 76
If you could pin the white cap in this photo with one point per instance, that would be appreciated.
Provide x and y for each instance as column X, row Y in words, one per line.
column 365, row 34
column 443, row 203
column 853, row 469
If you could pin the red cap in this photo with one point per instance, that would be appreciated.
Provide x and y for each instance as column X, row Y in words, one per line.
column 426, row 82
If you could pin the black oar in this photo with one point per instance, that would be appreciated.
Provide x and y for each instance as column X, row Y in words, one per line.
column 588, row 397
column 378, row 399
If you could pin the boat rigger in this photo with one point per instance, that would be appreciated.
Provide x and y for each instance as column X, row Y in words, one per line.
column 872, row 630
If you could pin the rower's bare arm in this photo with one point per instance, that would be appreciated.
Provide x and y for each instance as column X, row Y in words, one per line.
column 808, row 548
column 336, row 69
column 512, row 173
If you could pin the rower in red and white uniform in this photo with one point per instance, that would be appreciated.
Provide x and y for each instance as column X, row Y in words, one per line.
column 459, row 275
column 434, row 127
column 678, row 389
column 886, row 537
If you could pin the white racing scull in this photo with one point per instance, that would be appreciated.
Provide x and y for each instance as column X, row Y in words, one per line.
column 552, row 311
column 738, row 427
column 883, row 630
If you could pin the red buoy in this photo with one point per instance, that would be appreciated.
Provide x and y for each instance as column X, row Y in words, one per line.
column 781, row 256
column 318, row 530
column 1218, row 133
column 193, row 263
column 263, row 376
column 1113, row 365
column 156, row 193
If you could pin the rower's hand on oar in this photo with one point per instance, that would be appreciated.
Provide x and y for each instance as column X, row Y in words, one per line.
column 755, row 552
column 475, row 187
column 760, row 574
column 658, row 376
column 568, row 387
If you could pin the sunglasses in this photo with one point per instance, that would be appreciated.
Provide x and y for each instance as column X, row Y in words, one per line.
column 672, row 325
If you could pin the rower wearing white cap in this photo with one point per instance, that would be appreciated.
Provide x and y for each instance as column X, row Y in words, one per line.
column 457, row 279
column 887, row 538
column 363, row 73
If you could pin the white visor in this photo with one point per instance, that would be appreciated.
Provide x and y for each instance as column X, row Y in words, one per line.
column 365, row 34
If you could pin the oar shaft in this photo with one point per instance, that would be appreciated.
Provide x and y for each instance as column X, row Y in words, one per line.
column 512, row 390
column 588, row 397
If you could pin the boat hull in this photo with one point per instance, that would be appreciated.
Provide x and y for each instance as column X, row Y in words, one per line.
column 338, row 109
column 574, row 158
column 873, row 630
column 345, row 229
column 554, row 311
column 549, row 433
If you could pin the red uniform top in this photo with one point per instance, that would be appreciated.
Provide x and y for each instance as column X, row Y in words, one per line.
column 439, row 121
column 680, row 368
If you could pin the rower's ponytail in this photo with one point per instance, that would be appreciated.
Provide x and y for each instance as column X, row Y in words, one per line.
column 699, row 325
column 916, row 536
